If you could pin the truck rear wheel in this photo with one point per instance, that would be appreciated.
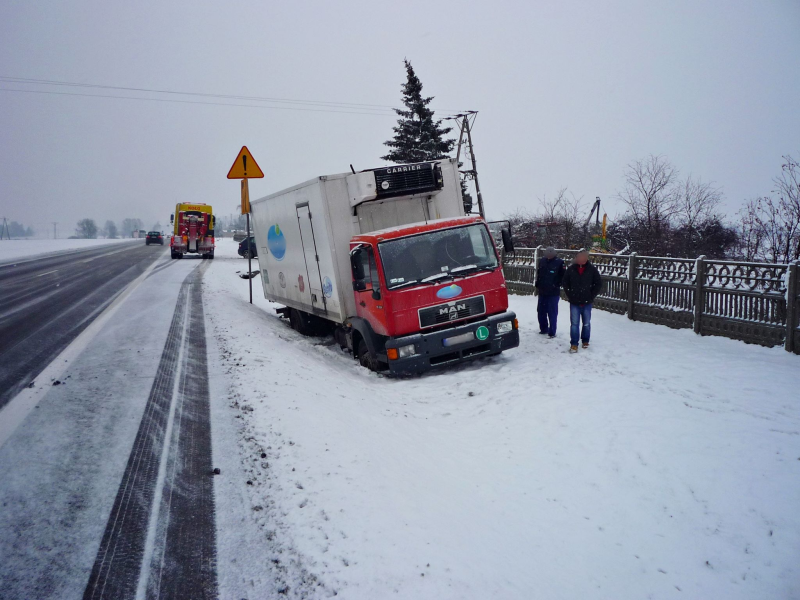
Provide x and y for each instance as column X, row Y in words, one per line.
column 300, row 322
column 246, row 254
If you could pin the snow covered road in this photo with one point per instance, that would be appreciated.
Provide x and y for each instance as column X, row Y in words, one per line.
column 106, row 487
column 657, row 464
column 654, row 465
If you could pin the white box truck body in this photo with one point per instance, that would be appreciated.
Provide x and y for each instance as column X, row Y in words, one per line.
column 303, row 233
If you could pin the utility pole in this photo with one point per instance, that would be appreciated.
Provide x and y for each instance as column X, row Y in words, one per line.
column 465, row 125
column 4, row 230
column 54, row 230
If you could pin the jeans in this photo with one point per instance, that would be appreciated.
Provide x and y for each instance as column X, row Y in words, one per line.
column 578, row 312
column 548, row 313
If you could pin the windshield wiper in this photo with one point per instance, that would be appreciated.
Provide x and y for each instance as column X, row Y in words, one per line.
column 435, row 277
column 404, row 284
column 469, row 269
column 464, row 268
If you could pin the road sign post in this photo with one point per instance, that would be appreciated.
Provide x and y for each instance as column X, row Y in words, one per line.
column 245, row 167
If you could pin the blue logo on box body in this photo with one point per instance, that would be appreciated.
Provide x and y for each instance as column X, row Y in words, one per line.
column 450, row 291
column 276, row 242
column 327, row 287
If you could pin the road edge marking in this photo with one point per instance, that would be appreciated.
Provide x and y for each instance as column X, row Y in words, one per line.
column 20, row 406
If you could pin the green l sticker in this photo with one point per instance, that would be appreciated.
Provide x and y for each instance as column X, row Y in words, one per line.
column 482, row 332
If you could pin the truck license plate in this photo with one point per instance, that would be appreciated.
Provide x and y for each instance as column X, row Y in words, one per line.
column 459, row 339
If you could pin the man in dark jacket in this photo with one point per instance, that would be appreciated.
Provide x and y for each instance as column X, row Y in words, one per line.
column 582, row 283
column 548, row 284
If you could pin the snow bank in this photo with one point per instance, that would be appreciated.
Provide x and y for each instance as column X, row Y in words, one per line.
column 11, row 250
column 657, row 464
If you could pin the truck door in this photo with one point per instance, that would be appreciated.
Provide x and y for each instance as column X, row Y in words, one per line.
column 311, row 257
column 367, row 287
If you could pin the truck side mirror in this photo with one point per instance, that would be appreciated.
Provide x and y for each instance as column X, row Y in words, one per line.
column 376, row 294
column 172, row 217
column 357, row 264
column 508, row 241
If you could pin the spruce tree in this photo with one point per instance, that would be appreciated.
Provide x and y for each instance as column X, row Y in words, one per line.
column 417, row 137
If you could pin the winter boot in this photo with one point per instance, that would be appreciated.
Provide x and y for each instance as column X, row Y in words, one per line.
column 585, row 345
column 573, row 349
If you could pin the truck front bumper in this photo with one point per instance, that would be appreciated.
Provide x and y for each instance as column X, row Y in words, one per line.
column 453, row 345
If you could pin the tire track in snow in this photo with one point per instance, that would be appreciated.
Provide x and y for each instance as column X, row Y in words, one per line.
column 160, row 538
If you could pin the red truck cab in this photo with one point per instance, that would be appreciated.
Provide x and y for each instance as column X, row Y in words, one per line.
column 429, row 294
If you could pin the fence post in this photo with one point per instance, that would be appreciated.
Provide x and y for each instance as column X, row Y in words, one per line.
column 535, row 267
column 631, row 283
column 792, row 290
column 699, row 293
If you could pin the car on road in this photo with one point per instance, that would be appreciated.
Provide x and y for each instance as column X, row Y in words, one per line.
column 247, row 248
column 154, row 237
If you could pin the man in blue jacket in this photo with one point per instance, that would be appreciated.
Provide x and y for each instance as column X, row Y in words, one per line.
column 548, row 283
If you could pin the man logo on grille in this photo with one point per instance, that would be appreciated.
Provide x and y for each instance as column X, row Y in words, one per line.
column 452, row 311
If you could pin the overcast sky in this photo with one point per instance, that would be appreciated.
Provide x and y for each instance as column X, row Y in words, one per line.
column 568, row 94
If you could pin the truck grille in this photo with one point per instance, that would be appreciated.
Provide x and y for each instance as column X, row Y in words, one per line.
column 408, row 179
column 452, row 311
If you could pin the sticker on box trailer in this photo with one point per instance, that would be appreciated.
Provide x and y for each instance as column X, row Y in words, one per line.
column 282, row 279
column 276, row 242
column 327, row 287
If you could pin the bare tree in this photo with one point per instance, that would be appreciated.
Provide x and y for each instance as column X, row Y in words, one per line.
column 774, row 226
column 751, row 236
column 787, row 186
column 769, row 227
column 652, row 198
column 558, row 222
column 697, row 202
column 572, row 216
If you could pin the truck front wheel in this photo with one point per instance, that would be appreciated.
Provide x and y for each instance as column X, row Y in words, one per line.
column 366, row 358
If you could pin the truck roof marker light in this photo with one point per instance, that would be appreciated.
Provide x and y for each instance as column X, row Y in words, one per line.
column 391, row 354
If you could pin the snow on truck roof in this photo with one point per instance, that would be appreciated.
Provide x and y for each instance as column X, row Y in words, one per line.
column 412, row 228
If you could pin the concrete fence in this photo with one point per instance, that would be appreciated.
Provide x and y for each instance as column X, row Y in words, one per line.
column 758, row 303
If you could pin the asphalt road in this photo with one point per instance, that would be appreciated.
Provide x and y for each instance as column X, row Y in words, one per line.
column 45, row 303
column 106, row 486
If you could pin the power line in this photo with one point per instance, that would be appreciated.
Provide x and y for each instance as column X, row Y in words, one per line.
column 374, row 108
column 51, row 93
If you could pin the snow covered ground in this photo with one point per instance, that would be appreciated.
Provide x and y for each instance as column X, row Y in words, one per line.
column 16, row 249
column 657, row 464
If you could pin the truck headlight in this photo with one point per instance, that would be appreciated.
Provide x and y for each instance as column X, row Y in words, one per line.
column 504, row 327
column 406, row 351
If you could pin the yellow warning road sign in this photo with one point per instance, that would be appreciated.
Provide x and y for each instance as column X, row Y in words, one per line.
column 245, row 166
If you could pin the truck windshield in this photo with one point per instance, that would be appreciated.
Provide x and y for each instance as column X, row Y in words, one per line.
column 438, row 255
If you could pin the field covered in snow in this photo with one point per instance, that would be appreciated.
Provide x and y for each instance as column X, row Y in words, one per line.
column 11, row 250
column 657, row 464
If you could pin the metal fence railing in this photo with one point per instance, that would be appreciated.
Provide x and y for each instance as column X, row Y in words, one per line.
column 754, row 302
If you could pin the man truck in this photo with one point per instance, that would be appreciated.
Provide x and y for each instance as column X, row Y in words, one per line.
column 193, row 230
column 388, row 259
